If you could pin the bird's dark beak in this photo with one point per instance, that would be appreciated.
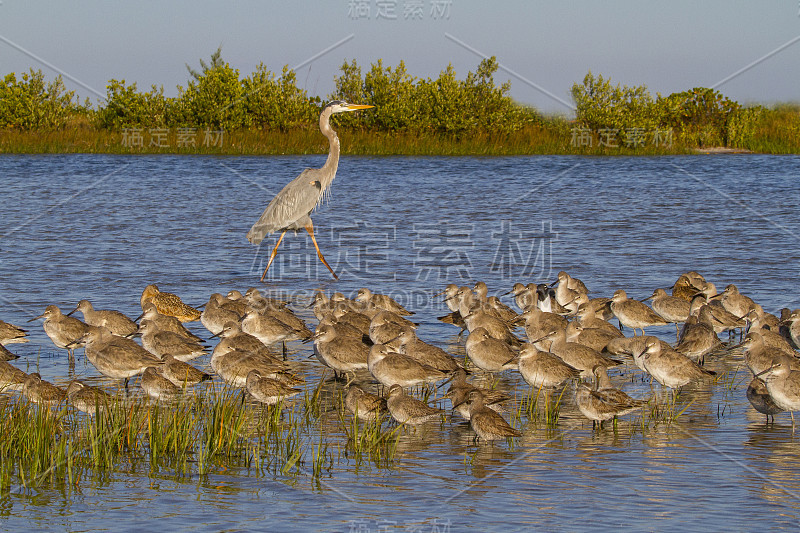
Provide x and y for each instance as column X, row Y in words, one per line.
column 70, row 313
column 36, row 318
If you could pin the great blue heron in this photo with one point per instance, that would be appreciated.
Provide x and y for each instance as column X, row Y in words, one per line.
column 291, row 208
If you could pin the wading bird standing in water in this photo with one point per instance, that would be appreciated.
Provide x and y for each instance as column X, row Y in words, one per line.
column 291, row 208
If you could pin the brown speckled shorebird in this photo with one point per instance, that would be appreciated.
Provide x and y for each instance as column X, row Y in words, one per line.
column 63, row 330
column 6, row 355
column 595, row 406
column 425, row 353
column 670, row 308
column 487, row 424
column 116, row 322
column 364, row 405
column 12, row 378
column 182, row 374
column 758, row 395
column 688, row 285
column 169, row 304
column 267, row 390
column 10, row 334
column 157, row 386
column 611, row 394
column 233, row 367
column 408, row 410
column 342, row 354
column 460, row 389
column 86, row 398
column 41, row 392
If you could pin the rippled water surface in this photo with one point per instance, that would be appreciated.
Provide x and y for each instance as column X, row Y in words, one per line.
column 103, row 227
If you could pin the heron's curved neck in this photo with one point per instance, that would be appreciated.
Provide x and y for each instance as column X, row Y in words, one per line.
column 332, row 163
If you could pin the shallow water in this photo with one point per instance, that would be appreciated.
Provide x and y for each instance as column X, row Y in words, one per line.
column 103, row 227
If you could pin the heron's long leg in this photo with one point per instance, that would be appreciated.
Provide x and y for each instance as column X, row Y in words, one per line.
column 272, row 255
column 310, row 230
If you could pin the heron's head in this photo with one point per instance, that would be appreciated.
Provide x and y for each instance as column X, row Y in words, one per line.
column 340, row 106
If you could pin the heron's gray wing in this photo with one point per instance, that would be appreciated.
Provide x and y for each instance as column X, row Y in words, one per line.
column 294, row 202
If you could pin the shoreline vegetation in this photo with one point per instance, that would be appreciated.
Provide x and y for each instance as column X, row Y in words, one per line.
column 221, row 113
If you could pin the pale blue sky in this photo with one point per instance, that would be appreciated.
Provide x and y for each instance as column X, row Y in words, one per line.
column 668, row 46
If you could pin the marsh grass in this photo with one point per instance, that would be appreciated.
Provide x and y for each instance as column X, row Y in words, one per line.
column 541, row 406
column 663, row 409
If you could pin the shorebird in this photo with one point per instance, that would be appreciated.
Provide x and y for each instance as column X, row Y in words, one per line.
column 342, row 354
column 381, row 301
column 425, row 353
column 783, row 384
column 86, row 398
column 157, row 386
column 543, row 369
column 758, row 356
column 267, row 390
column 182, row 374
column 6, row 355
column 633, row 313
column 164, row 343
column 613, row 395
column 408, row 410
column 460, row 389
column 114, row 356
column 688, row 285
column 488, row 353
column 116, row 322
column 596, row 406
column 169, row 304
column 363, row 404
column 670, row 368
column 759, row 397
column 12, row 378
column 165, row 322
column 215, row 315
column 698, row 338
column 577, row 355
column 10, row 334
column 234, row 366
column 670, row 308
column 233, row 338
column 391, row 368
column 487, row 424
column 63, row 330
column 594, row 338
column 266, row 328
column 499, row 329
column 525, row 297
column 42, row 392
column 735, row 302
column 386, row 326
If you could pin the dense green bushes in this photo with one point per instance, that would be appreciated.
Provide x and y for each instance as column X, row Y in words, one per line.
column 700, row 117
column 30, row 103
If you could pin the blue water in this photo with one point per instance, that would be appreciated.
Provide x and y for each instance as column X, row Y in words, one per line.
column 103, row 227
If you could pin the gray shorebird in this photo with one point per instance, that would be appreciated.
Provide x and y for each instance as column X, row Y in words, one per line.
column 391, row 368
column 670, row 308
column 542, row 369
column 670, row 368
column 381, row 301
column 488, row 353
column 425, row 353
column 164, row 343
column 408, row 410
column 114, row 356
column 577, row 355
column 595, row 406
column 266, row 328
column 165, row 322
column 342, row 354
column 613, row 395
column 783, row 384
column 63, row 330
column 182, row 374
column 215, row 315
column 116, row 322
column 633, row 313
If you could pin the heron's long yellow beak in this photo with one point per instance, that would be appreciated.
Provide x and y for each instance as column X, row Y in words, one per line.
column 356, row 107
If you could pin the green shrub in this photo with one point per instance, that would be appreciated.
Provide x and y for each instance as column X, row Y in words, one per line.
column 30, row 103
column 126, row 107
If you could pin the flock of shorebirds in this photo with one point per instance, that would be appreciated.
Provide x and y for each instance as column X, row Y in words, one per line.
column 569, row 337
